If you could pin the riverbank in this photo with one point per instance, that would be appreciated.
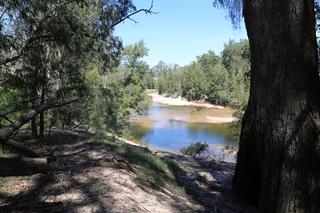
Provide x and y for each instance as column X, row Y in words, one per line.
column 179, row 101
column 94, row 174
column 217, row 152
column 223, row 114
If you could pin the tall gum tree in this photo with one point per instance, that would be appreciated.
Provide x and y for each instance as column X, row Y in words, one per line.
column 278, row 166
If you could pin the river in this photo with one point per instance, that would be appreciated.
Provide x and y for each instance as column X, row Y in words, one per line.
column 172, row 128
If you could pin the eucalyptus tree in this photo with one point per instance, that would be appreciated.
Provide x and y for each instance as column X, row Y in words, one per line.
column 236, row 59
column 279, row 156
column 219, row 79
column 159, row 68
column 48, row 46
column 208, row 60
column 193, row 82
column 135, row 69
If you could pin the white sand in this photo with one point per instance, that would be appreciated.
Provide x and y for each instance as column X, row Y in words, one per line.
column 224, row 119
column 161, row 99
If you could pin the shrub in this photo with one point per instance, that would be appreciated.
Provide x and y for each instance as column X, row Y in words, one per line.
column 195, row 149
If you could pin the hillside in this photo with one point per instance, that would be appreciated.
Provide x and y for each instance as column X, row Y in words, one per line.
column 93, row 174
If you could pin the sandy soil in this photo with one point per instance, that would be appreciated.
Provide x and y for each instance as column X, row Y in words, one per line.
column 217, row 119
column 89, row 177
column 179, row 101
column 222, row 114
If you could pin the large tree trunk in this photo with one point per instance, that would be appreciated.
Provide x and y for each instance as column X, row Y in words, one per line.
column 34, row 123
column 41, row 116
column 278, row 165
column 34, row 128
column 41, row 125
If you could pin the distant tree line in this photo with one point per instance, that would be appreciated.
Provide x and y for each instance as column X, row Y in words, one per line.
column 220, row 79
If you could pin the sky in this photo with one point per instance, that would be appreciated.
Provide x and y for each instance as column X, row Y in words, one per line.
column 182, row 30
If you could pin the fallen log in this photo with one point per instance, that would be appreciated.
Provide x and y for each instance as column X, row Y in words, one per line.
column 34, row 207
column 12, row 165
column 20, row 148
column 7, row 132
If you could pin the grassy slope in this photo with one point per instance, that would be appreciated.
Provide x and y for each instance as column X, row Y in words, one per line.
column 153, row 171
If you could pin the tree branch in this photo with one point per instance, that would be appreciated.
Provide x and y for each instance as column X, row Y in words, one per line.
column 18, row 107
column 147, row 11
column 6, row 132
column 7, row 119
column 29, row 43
column 3, row 13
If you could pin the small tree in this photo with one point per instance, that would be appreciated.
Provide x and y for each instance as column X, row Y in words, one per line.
column 195, row 149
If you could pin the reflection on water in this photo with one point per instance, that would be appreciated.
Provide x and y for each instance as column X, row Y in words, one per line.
column 172, row 128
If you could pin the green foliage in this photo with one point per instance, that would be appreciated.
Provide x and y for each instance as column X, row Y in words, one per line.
column 8, row 99
column 132, row 55
column 218, row 79
column 135, row 71
column 193, row 83
column 233, row 7
column 114, row 96
column 170, row 81
column 208, row 60
column 236, row 59
column 55, row 50
column 155, row 171
column 149, row 81
column 195, row 149
column 217, row 87
column 235, row 126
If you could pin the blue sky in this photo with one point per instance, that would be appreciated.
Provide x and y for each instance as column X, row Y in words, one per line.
column 182, row 30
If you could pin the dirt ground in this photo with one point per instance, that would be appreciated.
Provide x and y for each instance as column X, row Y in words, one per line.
column 91, row 177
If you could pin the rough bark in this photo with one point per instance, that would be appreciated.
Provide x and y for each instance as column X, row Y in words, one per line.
column 41, row 117
column 34, row 123
column 41, row 125
column 278, row 167
column 34, row 128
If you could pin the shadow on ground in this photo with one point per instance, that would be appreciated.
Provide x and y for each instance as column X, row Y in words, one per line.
column 92, row 174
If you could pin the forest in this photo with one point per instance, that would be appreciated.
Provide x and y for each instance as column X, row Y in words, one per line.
column 51, row 69
column 69, row 90
column 220, row 79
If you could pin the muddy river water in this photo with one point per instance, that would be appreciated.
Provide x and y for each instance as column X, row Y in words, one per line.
column 175, row 127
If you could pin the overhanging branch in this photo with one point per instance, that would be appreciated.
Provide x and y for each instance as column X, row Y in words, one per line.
column 147, row 11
